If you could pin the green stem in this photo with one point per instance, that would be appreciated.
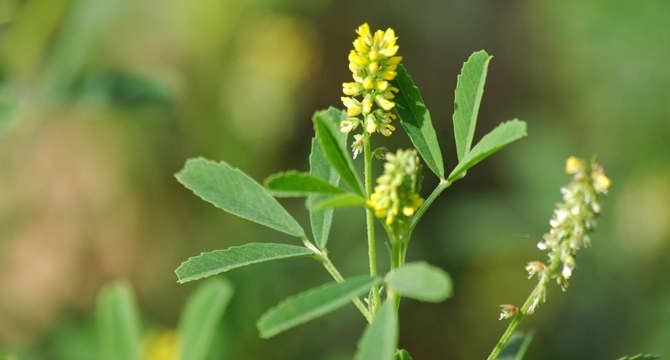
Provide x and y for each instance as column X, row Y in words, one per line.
column 322, row 257
column 524, row 309
column 375, row 301
column 426, row 204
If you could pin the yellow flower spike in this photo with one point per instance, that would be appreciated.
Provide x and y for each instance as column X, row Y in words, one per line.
column 373, row 65
column 573, row 165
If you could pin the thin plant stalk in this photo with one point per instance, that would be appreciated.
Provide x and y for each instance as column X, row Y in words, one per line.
column 375, row 301
column 322, row 256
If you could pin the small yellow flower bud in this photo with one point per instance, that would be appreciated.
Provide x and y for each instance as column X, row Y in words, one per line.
column 408, row 211
column 370, row 125
column 374, row 66
column 387, row 129
column 573, row 165
column 367, row 105
column 348, row 125
column 382, row 85
column 363, row 30
column 385, row 104
column 367, row 83
column 374, row 55
column 603, row 181
column 359, row 45
column 350, row 88
column 389, row 75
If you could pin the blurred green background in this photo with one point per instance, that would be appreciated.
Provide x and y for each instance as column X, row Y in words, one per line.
column 102, row 101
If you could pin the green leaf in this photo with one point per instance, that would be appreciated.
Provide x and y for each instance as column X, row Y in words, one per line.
column 319, row 166
column 201, row 316
column 380, row 338
column 420, row 281
column 501, row 136
column 469, row 92
column 218, row 261
column 336, row 201
column 312, row 304
column 235, row 192
column 415, row 118
column 402, row 355
column 326, row 125
column 641, row 357
column 118, row 322
column 296, row 184
column 517, row 345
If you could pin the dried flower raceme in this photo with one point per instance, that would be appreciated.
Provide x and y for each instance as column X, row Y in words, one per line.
column 373, row 64
column 396, row 196
column 573, row 220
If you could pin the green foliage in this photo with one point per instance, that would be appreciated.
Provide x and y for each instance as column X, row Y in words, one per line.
column 312, row 304
column 326, row 125
column 201, row 316
column 216, row 262
column 336, row 201
column 640, row 357
column 235, row 192
column 420, row 281
column 415, row 119
column 118, row 322
column 501, row 136
column 380, row 338
column 402, row 355
column 320, row 167
column 517, row 346
column 469, row 92
column 297, row 184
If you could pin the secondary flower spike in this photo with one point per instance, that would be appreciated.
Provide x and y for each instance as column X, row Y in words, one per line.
column 573, row 220
column 396, row 196
column 373, row 64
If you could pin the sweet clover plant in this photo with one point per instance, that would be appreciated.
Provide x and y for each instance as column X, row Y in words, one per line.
column 381, row 95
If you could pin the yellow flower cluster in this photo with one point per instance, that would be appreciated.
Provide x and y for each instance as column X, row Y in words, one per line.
column 373, row 64
column 396, row 195
column 163, row 345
